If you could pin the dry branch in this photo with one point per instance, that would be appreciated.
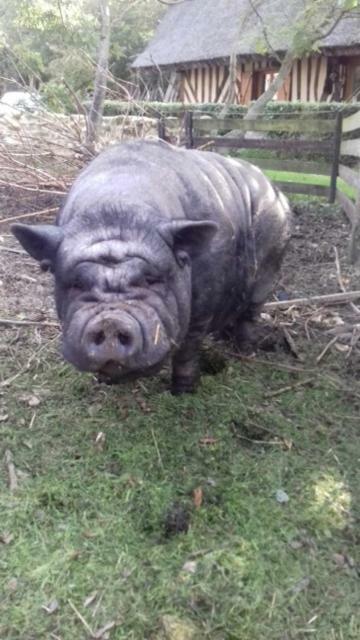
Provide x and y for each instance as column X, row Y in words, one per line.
column 33, row 214
column 82, row 619
column 10, row 467
column 331, row 298
column 341, row 281
column 324, row 351
column 24, row 323
column 290, row 387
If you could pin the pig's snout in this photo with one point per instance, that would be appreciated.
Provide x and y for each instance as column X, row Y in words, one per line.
column 112, row 339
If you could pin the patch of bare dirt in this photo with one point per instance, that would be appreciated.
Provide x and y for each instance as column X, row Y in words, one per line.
column 25, row 290
column 309, row 266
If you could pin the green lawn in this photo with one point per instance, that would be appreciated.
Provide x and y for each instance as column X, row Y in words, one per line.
column 309, row 178
column 252, row 155
column 94, row 514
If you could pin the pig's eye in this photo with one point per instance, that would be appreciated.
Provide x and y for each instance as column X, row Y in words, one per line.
column 182, row 259
column 153, row 280
column 76, row 285
column 108, row 260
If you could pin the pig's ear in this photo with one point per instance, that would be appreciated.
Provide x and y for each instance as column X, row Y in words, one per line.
column 40, row 242
column 191, row 236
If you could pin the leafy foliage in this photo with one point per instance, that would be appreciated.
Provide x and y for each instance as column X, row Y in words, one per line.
column 51, row 45
column 154, row 109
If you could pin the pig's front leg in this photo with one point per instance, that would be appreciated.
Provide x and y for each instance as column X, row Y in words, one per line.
column 185, row 366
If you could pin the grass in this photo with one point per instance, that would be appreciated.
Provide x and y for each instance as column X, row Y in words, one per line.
column 252, row 155
column 92, row 513
column 310, row 178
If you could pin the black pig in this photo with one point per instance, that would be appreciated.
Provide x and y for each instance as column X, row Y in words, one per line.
column 154, row 248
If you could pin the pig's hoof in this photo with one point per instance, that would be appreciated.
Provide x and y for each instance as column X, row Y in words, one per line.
column 183, row 385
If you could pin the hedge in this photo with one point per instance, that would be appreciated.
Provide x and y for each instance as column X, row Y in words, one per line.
column 273, row 109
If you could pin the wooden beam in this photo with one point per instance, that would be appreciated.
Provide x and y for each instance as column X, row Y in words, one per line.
column 336, row 157
column 347, row 205
column 290, row 125
column 189, row 141
column 350, row 176
column 319, row 146
column 304, row 80
column 298, row 166
column 351, row 123
column 306, row 189
column 350, row 148
column 330, row 298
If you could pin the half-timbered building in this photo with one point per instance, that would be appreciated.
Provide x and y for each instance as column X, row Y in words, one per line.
column 214, row 50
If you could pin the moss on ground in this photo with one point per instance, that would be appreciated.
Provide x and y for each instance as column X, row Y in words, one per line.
column 92, row 511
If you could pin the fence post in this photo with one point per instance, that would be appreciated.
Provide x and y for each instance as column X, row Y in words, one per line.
column 189, row 141
column 336, row 156
column 161, row 128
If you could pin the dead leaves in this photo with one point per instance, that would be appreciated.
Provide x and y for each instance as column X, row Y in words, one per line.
column 344, row 561
column 51, row 607
column 11, row 471
column 6, row 537
column 30, row 399
column 197, row 497
column 99, row 634
column 207, row 441
column 99, row 441
column 300, row 586
column 90, row 599
column 303, row 541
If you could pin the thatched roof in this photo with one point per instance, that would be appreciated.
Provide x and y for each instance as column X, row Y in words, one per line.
column 197, row 30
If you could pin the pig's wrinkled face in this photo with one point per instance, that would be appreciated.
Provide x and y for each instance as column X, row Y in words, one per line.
column 124, row 307
column 123, row 296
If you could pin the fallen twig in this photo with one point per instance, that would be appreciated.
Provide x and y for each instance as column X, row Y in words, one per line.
column 331, row 298
column 24, row 323
column 28, row 215
column 341, row 281
column 13, row 481
column 324, row 351
column 269, row 363
column 291, row 343
column 82, row 619
column 15, row 185
column 19, row 252
column 157, row 449
column 354, row 340
column 290, row 387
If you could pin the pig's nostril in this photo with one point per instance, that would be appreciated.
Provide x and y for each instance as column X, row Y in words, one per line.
column 123, row 338
column 99, row 338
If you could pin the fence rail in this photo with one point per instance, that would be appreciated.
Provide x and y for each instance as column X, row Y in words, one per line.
column 328, row 148
column 350, row 148
column 283, row 137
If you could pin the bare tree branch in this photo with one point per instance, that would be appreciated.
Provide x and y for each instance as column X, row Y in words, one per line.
column 255, row 9
column 97, row 107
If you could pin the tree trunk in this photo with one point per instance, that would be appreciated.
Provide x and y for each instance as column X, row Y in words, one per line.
column 231, row 96
column 97, row 106
column 258, row 108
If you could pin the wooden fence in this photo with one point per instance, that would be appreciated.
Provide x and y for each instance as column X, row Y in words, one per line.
column 299, row 143
column 349, row 171
column 302, row 144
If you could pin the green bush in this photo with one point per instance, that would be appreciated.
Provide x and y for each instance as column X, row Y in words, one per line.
column 56, row 97
column 273, row 109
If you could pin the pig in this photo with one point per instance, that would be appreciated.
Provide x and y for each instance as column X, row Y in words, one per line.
column 154, row 248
